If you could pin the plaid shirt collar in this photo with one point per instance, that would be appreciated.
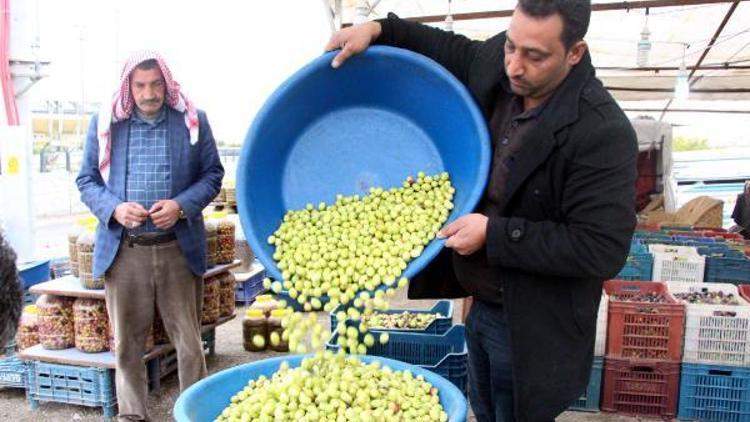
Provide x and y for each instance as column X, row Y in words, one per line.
column 136, row 117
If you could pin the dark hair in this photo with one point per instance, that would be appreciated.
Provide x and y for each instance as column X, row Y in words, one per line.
column 11, row 293
column 148, row 64
column 575, row 15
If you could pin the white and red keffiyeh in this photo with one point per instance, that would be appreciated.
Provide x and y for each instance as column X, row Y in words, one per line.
column 123, row 104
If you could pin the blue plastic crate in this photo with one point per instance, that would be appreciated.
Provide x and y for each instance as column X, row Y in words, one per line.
column 637, row 248
column 290, row 303
column 637, row 267
column 652, row 236
column 716, row 249
column 246, row 291
column 444, row 354
column 163, row 365
column 29, row 298
column 589, row 401
column 714, row 393
column 695, row 238
column 72, row 384
column 12, row 372
column 34, row 273
column 727, row 269
column 438, row 326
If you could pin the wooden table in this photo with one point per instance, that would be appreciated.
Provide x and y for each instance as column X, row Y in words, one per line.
column 70, row 286
column 73, row 356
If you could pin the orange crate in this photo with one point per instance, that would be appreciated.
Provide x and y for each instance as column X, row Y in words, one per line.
column 641, row 387
column 648, row 227
column 724, row 235
column 712, row 229
column 644, row 330
column 744, row 291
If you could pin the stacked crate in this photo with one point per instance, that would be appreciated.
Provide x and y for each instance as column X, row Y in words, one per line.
column 722, row 257
column 589, row 400
column 715, row 383
column 677, row 263
column 639, row 264
column 644, row 348
column 440, row 347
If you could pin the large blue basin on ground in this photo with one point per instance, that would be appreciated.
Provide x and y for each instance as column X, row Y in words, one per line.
column 206, row 399
column 383, row 116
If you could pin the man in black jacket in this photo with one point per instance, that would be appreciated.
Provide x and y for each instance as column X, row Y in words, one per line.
column 556, row 217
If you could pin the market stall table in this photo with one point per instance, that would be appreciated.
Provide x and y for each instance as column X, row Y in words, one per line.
column 71, row 376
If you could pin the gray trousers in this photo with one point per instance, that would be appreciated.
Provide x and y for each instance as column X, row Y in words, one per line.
column 140, row 277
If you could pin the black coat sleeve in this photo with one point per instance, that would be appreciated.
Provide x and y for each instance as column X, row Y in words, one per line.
column 454, row 52
column 598, row 209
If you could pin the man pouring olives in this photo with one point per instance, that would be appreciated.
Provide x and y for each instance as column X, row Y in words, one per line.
column 556, row 217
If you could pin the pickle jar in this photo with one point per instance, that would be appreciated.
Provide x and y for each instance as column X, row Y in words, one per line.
column 27, row 334
column 276, row 341
column 225, row 228
column 266, row 303
column 254, row 331
column 85, row 246
column 211, row 300
column 212, row 242
column 227, row 294
column 56, row 324
column 91, row 325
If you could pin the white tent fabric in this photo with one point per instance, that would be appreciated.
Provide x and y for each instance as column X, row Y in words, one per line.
column 613, row 38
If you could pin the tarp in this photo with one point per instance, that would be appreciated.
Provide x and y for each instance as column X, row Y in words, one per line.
column 613, row 39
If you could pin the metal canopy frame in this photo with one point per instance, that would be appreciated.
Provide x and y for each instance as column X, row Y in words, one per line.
column 691, row 78
column 595, row 7
column 632, row 5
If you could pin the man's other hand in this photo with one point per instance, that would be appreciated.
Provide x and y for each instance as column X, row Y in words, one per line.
column 467, row 234
column 165, row 213
column 130, row 214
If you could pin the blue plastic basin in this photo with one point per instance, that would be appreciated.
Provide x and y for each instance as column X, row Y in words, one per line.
column 206, row 399
column 33, row 272
column 383, row 116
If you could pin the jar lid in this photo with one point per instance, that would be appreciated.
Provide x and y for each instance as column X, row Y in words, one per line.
column 263, row 298
column 254, row 313
column 279, row 312
column 218, row 215
column 85, row 221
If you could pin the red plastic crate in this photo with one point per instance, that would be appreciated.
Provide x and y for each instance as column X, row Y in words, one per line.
column 725, row 235
column 641, row 387
column 744, row 291
column 648, row 227
column 711, row 229
column 644, row 330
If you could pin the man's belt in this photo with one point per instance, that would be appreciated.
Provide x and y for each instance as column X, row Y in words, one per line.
column 150, row 239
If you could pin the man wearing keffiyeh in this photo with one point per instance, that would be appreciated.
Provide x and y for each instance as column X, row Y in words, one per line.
column 150, row 167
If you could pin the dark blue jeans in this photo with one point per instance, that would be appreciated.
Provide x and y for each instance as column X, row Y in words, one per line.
column 490, row 368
